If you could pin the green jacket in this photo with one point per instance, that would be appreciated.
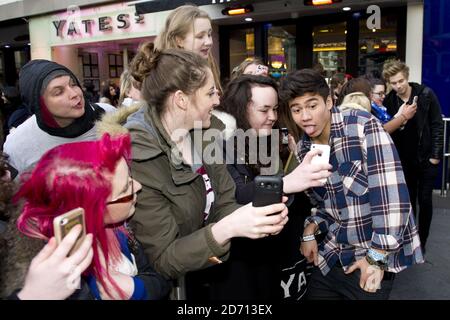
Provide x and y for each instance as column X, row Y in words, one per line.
column 169, row 212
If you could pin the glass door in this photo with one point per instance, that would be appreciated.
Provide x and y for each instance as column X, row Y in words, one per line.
column 2, row 70
column 282, row 51
column 377, row 45
column 242, row 46
column 329, row 48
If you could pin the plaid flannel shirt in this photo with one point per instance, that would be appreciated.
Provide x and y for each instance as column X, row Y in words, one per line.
column 365, row 203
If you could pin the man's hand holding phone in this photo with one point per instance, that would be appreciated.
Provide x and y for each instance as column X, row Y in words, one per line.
column 322, row 158
column 310, row 173
column 410, row 110
column 407, row 111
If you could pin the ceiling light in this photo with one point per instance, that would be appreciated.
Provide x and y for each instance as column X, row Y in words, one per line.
column 233, row 11
column 319, row 2
column 277, row 64
column 346, row 8
column 248, row 19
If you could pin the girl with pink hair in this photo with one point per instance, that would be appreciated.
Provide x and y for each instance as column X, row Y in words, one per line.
column 93, row 175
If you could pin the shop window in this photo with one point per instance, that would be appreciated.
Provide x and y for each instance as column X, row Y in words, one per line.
column 90, row 69
column 282, row 52
column 20, row 57
column 377, row 45
column 329, row 48
column 242, row 46
column 115, row 65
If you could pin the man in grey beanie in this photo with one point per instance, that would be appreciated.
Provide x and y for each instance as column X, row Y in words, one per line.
column 61, row 115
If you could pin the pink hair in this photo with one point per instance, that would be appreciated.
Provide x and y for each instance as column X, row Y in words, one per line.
column 75, row 175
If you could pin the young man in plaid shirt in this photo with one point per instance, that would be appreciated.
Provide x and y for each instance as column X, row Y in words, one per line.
column 363, row 208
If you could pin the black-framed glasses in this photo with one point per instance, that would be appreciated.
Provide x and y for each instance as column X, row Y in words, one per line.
column 380, row 94
column 126, row 198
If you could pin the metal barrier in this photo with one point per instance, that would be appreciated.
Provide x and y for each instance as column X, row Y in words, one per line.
column 445, row 156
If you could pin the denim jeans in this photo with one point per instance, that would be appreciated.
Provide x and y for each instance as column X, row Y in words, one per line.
column 420, row 181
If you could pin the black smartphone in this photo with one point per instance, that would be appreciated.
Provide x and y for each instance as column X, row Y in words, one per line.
column 268, row 190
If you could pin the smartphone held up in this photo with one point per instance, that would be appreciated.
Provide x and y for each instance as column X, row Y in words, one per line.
column 323, row 158
column 63, row 223
column 268, row 190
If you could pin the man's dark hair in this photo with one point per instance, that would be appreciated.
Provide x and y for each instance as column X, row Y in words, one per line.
column 301, row 82
column 297, row 84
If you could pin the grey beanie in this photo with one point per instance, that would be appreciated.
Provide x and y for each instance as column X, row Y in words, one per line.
column 52, row 75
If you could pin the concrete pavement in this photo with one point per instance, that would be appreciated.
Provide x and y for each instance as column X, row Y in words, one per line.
column 431, row 280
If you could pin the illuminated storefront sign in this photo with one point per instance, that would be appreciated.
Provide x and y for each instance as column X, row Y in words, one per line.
column 96, row 22
column 105, row 23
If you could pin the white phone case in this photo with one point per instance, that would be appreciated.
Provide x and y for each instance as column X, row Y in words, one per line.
column 322, row 158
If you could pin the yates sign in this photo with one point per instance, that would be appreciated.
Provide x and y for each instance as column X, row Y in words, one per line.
column 104, row 24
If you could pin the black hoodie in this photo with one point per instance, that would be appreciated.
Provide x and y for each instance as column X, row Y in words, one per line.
column 31, row 79
column 427, row 124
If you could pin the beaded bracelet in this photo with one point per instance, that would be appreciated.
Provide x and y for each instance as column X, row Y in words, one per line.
column 309, row 237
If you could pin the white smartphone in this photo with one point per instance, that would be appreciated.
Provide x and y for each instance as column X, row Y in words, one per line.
column 321, row 158
column 415, row 99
